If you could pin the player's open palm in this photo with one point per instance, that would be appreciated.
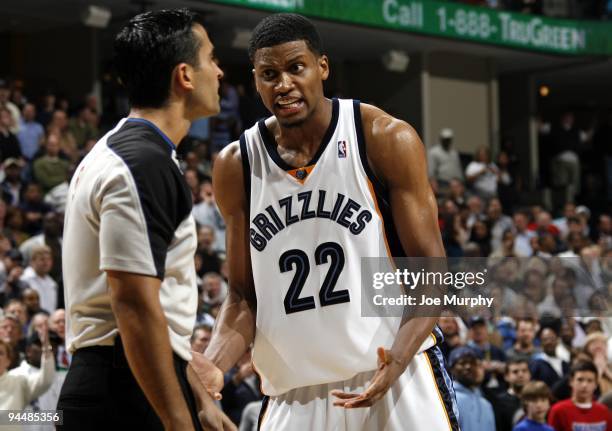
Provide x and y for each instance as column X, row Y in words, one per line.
column 208, row 373
column 387, row 373
column 213, row 419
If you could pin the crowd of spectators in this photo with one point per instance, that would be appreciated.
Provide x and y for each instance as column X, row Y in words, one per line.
column 546, row 340
column 497, row 355
column 573, row 9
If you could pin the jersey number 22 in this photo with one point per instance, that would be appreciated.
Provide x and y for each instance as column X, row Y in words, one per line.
column 299, row 260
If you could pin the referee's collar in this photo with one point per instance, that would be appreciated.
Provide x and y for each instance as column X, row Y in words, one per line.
column 157, row 129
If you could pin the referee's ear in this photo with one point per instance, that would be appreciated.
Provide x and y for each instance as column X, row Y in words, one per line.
column 183, row 78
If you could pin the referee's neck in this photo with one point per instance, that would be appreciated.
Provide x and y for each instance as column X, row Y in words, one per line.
column 170, row 120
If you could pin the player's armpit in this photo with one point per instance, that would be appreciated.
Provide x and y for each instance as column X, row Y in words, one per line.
column 234, row 329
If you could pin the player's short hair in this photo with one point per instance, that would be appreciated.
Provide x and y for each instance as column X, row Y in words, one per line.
column 282, row 28
column 583, row 366
column 535, row 390
column 147, row 50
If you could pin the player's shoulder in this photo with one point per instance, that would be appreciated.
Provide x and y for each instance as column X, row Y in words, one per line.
column 382, row 129
column 229, row 172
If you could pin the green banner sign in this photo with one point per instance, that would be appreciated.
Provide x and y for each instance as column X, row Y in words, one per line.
column 456, row 21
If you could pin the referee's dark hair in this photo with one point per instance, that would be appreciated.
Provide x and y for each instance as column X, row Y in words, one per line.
column 147, row 50
column 282, row 28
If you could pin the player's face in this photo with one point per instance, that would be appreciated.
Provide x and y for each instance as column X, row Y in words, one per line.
column 205, row 97
column 289, row 78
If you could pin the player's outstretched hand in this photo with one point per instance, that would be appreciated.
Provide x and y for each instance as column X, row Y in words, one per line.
column 208, row 373
column 213, row 419
column 388, row 372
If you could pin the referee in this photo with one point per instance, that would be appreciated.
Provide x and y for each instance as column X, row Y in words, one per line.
column 129, row 242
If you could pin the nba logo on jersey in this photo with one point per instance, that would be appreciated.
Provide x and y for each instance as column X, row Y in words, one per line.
column 342, row 149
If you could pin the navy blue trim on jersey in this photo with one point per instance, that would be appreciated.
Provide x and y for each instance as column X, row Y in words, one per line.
column 444, row 384
column 381, row 193
column 271, row 146
column 165, row 197
column 246, row 170
column 264, row 406
column 154, row 127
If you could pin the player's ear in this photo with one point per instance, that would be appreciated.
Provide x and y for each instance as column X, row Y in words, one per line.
column 323, row 63
column 255, row 80
column 183, row 76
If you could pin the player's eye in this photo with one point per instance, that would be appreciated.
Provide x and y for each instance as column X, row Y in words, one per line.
column 268, row 74
column 297, row 67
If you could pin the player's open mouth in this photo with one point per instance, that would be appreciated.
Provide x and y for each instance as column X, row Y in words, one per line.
column 289, row 106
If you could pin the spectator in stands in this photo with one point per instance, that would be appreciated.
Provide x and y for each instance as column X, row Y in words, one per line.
column 31, row 133
column 37, row 277
column 82, row 127
column 569, row 211
column 200, row 338
column 522, row 235
column 524, row 348
column 457, row 194
column 581, row 412
column 449, row 325
column 568, row 140
column 483, row 175
column 546, row 245
column 508, row 403
column 206, row 213
column 47, row 108
column 546, row 365
column 225, row 126
column 506, row 185
column 57, row 328
column 211, row 260
column 241, row 387
column 506, row 249
column 16, row 390
column 214, row 289
column 12, row 287
column 536, row 403
column 31, row 300
column 492, row 357
column 481, row 236
column 499, row 222
column 5, row 103
column 17, row 308
column 475, row 412
column 51, row 170
column 596, row 345
column 67, row 141
column 30, row 367
column 11, row 333
column 12, row 184
column 9, row 144
column 39, row 322
column 603, row 233
column 443, row 163
column 34, row 209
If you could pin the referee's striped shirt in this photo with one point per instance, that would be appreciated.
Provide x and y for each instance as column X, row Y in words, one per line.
column 128, row 209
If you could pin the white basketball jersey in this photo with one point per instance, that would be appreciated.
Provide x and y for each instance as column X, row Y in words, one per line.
column 309, row 229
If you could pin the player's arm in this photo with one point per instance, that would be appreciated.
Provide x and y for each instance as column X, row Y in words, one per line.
column 141, row 320
column 234, row 329
column 397, row 157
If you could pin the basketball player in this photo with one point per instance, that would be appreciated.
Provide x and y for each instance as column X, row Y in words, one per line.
column 129, row 242
column 306, row 194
